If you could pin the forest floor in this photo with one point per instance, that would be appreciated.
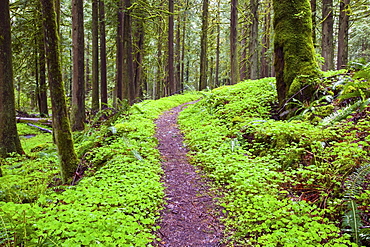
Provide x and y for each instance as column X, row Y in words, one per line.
column 190, row 216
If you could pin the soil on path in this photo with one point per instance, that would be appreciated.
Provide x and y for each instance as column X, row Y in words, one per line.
column 190, row 217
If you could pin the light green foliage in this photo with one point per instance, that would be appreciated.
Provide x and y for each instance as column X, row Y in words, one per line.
column 24, row 179
column 260, row 164
column 116, row 204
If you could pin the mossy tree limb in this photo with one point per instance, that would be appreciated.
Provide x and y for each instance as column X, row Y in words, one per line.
column 295, row 63
column 61, row 124
column 9, row 139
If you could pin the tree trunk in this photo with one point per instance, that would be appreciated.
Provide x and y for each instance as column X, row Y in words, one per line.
column 171, row 72
column 234, row 65
column 265, row 59
column 103, row 57
column 9, row 139
column 128, row 73
column 182, row 75
column 243, row 58
column 139, row 54
column 78, row 83
column 327, row 44
column 119, row 55
column 42, row 92
column 314, row 14
column 343, row 34
column 61, row 125
column 95, row 57
column 253, row 43
column 204, row 47
column 295, row 64
column 217, row 69
column 160, row 71
column 178, row 56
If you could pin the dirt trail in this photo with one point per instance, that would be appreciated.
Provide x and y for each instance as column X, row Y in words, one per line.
column 190, row 216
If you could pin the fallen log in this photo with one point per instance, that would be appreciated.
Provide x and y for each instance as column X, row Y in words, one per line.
column 44, row 121
column 40, row 128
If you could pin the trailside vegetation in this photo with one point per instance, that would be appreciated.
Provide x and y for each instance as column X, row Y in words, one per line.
column 117, row 192
column 283, row 183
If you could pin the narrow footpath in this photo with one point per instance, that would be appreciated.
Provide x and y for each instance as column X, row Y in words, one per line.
column 190, row 217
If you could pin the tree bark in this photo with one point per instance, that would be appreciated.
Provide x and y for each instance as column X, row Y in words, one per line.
column 253, row 43
column 95, row 57
column 139, row 54
column 314, row 14
column 204, row 47
column 265, row 59
column 9, row 139
column 128, row 73
column 119, row 55
column 217, row 69
column 42, row 91
column 103, row 57
column 295, row 64
column 327, row 44
column 171, row 54
column 184, row 26
column 61, row 125
column 342, row 58
column 178, row 56
column 234, row 65
column 78, row 83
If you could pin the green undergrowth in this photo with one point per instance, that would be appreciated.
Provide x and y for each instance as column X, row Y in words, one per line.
column 117, row 200
column 281, row 181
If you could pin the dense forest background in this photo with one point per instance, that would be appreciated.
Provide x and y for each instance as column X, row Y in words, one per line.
column 148, row 49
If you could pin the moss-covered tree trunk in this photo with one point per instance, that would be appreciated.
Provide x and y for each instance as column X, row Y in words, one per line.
column 61, row 125
column 9, row 139
column 295, row 63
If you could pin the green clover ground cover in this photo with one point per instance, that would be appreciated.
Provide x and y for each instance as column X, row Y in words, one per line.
column 115, row 205
column 258, row 164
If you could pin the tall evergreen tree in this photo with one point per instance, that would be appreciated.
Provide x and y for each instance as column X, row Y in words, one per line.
column 120, row 93
column 234, row 62
column 253, row 40
column 9, row 139
column 61, row 124
column 327, row 44
column 171, row 53
column 41, row 66
column 78, row 80
column 204, row 47
column 342, row 57
column 103, row 56
column 95, row 56
column 128, row 65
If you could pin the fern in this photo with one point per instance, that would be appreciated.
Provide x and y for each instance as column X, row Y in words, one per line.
column 351, row 219
column 355, row 181
column 341, row 114
column 365, row 234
